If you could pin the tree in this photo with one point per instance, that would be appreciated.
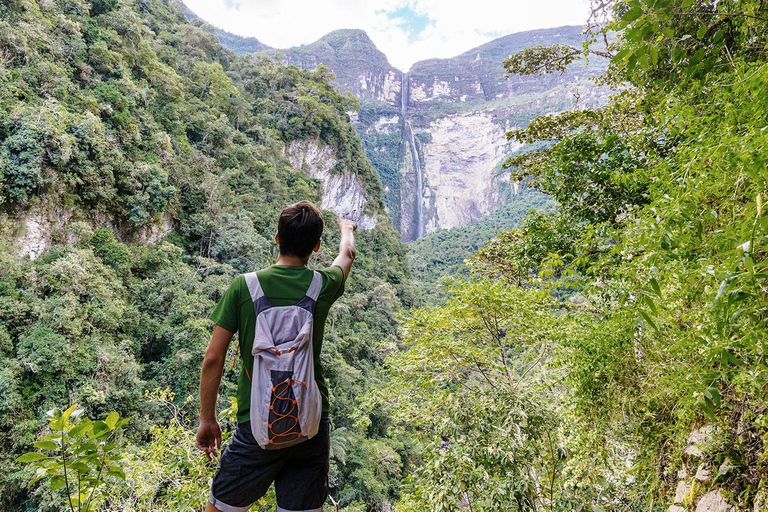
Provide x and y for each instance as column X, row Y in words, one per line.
column 469, row 387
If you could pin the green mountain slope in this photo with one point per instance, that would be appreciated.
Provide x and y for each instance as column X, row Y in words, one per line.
column 441, row 255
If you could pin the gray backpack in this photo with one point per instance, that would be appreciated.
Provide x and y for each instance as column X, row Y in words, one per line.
column 285, row 401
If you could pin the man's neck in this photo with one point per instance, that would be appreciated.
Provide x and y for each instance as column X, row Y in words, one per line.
column 291, row 261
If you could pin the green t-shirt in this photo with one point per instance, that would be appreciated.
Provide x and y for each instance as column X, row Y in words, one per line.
column 284, row 285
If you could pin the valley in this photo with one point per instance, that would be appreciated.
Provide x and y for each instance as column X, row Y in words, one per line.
column 576, row 322
column 437, row 134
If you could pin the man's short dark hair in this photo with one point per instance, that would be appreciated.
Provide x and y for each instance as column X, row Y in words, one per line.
column 299, row 228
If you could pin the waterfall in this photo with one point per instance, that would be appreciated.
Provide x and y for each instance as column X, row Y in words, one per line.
column 419, row 184
column 403, row 94
column 418, row 213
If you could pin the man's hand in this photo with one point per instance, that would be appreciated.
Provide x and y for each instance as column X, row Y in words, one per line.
column 347, row 252
column 346, row 224
column 209, row 433
column 209, row 438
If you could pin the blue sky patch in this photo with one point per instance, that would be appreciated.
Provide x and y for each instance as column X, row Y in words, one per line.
column 491, row 34
column 412, row 23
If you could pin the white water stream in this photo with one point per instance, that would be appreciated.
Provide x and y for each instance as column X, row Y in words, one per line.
column 409, row 137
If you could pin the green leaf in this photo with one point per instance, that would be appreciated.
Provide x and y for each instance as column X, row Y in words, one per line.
column 749, row 264
column 79, row 428
column 721, row 290
column 647, row 319
column 622, row 54
column 111, row 420
column 630, row 16
column 57, row 482
column 713, row 394
column 80, row 467
column 56, row 423
column 655, row 285
column 46, row 445
column 650, row 304
column 69, row 411
column 99, row 429
column 697, row 56
column 702, row 31
column 89, row 446
column 31, row 457
column 117, row 471
column 39, row 474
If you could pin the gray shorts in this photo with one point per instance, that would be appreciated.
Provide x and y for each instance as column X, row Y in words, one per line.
column 246, row 470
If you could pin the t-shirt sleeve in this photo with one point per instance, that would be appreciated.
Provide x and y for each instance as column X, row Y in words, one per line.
column 334, row 282
column 227, row 311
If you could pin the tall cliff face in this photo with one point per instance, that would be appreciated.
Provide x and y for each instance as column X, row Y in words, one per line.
column 437, row 134
column 342, row 192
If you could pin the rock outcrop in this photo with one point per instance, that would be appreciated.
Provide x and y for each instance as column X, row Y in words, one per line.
column 698, row 492
column 342, row 193
column 47, row 222
column 459, row 161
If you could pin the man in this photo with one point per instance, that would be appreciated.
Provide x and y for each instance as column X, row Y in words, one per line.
column 300, row 472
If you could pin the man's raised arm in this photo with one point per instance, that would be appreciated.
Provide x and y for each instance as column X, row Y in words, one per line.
column 347, row 251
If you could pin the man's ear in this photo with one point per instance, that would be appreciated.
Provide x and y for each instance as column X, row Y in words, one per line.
column 277, row 238
column 317, row 246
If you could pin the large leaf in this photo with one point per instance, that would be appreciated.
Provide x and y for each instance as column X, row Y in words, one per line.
column 111, row 420
column 31, row 457
column 57, row 482
column 46, row 445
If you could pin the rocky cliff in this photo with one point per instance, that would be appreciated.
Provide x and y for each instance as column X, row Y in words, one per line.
column 342, row 192
column 437, row 134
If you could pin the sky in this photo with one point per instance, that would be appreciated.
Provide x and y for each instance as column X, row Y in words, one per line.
column 407, row 31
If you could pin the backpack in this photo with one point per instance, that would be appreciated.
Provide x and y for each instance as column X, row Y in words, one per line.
column 285, row 401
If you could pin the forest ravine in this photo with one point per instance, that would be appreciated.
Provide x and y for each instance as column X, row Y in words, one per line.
column 608, row 353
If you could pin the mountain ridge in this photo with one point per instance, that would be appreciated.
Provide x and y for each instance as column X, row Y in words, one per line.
column 437, row 134
column 250, row 44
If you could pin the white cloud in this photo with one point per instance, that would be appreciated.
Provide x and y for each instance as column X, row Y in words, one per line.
column 454, row 28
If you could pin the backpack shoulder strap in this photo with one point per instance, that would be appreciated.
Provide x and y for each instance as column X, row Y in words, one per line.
column 313, row 292
column 254, row 286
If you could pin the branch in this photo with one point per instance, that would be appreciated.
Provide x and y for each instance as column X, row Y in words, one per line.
column 64, row 462
column 541, row 60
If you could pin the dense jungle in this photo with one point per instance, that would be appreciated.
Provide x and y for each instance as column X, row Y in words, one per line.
column 599, row 345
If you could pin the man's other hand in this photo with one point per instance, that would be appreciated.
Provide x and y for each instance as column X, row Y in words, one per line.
column 209, row 438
